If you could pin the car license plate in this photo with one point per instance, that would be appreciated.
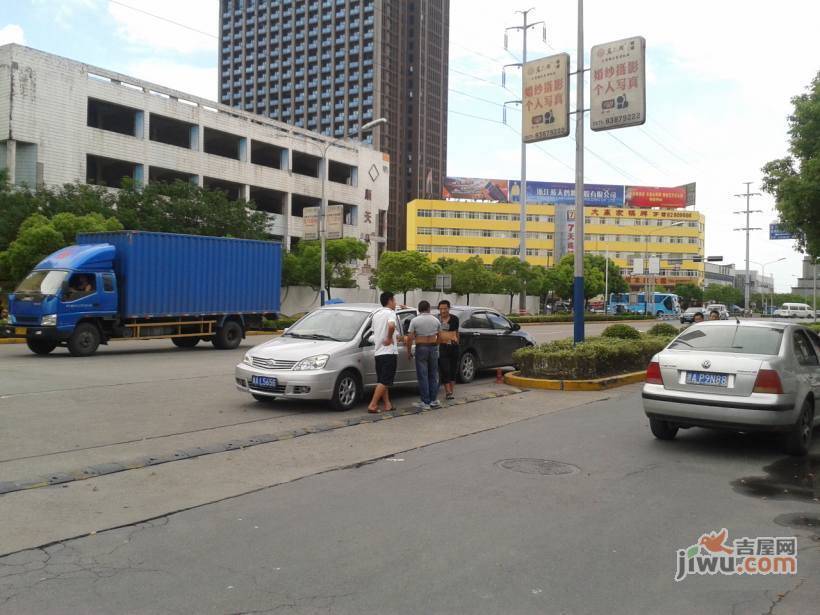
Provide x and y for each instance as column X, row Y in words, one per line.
column 707, row 379
column 19, row 331
column 263, row 382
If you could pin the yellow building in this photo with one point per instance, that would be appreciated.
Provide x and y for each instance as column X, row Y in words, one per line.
column 459, row 230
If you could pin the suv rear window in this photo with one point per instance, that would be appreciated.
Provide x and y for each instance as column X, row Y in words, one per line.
column 737, row 339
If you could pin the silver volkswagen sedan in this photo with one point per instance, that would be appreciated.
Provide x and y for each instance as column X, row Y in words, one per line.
column 327, row 355
column 739, row 375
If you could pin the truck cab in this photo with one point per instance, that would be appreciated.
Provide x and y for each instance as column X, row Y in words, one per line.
column 61, row 301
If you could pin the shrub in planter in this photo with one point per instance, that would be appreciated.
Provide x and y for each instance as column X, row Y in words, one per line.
column 624, row 332
column 663, row 329
column 594, row 358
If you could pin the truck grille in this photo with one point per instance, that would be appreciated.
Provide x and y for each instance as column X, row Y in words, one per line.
column 27, row 320
column 272, row 363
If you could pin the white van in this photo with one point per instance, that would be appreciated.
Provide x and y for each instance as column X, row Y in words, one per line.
column 794, row 310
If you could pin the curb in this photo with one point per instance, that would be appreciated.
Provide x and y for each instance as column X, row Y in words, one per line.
column 597, row 384
column 20, row 340
column 587, row 322
column 102, row 469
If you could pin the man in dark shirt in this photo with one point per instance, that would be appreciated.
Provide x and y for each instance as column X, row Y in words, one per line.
column 448, row 353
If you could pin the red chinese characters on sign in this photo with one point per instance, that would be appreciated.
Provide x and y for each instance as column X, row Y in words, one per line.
column 644, row 196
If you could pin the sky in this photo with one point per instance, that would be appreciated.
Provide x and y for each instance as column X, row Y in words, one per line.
column 720, row 76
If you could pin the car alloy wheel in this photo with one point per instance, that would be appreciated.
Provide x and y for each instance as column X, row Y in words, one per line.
column 346, row 392
column 467, row 367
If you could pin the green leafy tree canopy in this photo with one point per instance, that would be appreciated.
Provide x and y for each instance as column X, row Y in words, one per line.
column 39, row 236
column 794, row 181
column 400, row 272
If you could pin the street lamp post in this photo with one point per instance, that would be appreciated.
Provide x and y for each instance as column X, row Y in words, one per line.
column 323, row 204
column 763, row 275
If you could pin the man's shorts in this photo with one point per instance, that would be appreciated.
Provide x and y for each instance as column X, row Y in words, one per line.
column 386, row 365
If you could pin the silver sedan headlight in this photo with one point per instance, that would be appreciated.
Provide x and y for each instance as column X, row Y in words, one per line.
column 317, row 362
column 49, row 320
column 247, row 360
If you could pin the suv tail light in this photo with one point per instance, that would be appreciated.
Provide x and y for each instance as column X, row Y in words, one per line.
column 768, row 381
column 653, row 373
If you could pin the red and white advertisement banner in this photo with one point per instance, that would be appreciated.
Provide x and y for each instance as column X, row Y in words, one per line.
column 645, row 196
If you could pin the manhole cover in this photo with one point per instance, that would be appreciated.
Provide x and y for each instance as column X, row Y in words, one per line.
column 545, row 467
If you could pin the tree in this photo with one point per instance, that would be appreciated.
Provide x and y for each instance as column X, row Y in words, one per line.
column 470, row 276
column 399, row 272
column 617, row 284
column 38, row 237
column 302, row 266
column 795, row 180
column 727, row 295
column 689, row 294
column 514, row 276
column 564, row 277
column 182, row 207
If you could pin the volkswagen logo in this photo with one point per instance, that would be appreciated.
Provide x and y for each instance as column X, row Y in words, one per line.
column 706, row 364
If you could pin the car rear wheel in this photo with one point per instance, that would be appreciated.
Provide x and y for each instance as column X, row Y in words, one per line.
column 467, row 366
column 663, row 430
column 185, row 342
column 798, row 440
column 42, row 347
column 346, row 392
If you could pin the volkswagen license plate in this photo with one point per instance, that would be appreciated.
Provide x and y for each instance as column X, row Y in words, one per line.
column 707, row 379
column 263, row 382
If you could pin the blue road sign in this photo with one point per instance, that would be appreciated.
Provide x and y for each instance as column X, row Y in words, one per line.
column 775, row 232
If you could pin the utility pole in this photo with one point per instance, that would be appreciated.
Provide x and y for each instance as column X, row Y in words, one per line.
column 578, row 294
column 747, row 280
column 522, row 232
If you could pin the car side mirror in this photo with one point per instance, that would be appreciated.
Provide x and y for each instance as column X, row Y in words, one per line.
column 516, row 326
column 367, row 340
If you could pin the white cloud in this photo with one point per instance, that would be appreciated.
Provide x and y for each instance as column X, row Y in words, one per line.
column 189, row 79
column 63, row 12
column 12, row 33
column 195, row 30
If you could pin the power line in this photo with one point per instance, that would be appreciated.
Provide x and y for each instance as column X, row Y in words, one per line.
column 477, row 117
column 637, row 153
column 165, row 19
column 486, row 100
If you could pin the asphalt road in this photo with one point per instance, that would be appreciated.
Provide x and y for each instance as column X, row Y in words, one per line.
column 452, row 528
column 132, row 391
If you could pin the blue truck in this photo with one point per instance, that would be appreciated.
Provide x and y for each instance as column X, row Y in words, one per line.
column 141, row 285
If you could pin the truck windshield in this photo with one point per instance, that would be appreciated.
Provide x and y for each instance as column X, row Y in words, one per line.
column 42, row 282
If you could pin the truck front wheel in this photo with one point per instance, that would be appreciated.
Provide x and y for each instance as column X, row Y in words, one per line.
column 41, row 346
column 84, row 341
column 228, row 336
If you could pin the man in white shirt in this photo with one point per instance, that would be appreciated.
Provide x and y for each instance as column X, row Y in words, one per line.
column 386, row 338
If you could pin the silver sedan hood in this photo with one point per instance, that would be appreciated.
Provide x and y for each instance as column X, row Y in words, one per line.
column 286, row 348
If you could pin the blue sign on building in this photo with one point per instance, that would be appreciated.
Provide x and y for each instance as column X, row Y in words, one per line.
column 775, row 232
column 559, row 193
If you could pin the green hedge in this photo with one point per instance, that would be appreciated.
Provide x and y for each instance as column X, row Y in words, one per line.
column 595, row 358
column 621, row 331
column 663, row 329
column 568, row 318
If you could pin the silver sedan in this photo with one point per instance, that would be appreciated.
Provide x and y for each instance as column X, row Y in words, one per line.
column 739, row 375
